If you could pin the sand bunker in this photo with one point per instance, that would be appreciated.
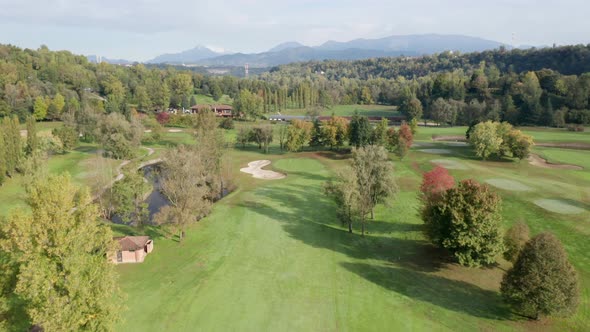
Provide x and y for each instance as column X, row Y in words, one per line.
column 509, row 185
column 449, row 164
column 535, row 160
column 558, row 206
column 174, row 130
column 436, row 151
column 255, row 168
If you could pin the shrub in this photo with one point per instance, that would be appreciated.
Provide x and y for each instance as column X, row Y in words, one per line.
column 542, row 282
column 226, row 123
column 163, row 118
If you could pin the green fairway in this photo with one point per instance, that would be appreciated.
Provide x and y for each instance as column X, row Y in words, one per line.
column 272, row 256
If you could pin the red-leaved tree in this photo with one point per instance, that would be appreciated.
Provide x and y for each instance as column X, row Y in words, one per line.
column 163, row 118
column 405, row 134
column 436, row 182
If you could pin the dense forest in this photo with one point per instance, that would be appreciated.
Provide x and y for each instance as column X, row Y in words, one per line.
column 548, row 87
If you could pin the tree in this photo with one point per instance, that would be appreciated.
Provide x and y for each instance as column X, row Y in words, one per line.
column 514, row 240
column 484, row 138
column 466, row 221
column 262, row 135
column 317, row 137
column 518, row 144
column 412, row 109
column 40, row 108
column 366, row 97
column 12, row 144
column 401, row 149
column 379, row 135
column 299, row 133
column 359, row 131
column 32, row 139
column 67, row 135
column 216, row 92
column 542, row 281
column 248, row 104
column 3, row 158
column 435, row 183
column 343, row 190
column 405, row 133
column 375, row 181
column 64, row 279
column 243, row 136
column 119, row 137
column 127, row 197
column 193, row 100
column 56, row 107
column 184, row 182
column 334, row 131
column 283, row 134
column 443, row 112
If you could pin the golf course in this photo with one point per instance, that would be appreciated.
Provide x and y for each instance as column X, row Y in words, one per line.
column 273, row 256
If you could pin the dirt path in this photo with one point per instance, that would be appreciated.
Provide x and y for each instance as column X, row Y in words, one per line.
column 536, row 160
column 119, row 170
column 255, row 168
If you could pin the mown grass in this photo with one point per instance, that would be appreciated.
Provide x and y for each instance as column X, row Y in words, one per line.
column 272, row 256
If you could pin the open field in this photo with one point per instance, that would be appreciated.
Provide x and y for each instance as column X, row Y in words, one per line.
column 272, row 255
column 349, row 110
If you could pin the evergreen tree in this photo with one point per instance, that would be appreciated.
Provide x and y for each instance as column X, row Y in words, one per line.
column 13, row 144
column 32, row 139
column 542, row 281
column 359, row 131
column 316, row 134
column 193, row 101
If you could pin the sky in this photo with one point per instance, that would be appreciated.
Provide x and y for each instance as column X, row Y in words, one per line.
column 142, row 29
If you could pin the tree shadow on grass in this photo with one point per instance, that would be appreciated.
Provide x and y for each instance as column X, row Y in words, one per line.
column 453, row 295
column 310, row 218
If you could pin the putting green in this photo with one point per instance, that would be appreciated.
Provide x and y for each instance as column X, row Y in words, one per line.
column 436, row 151
column 558, row 206
column 450, row 164
column 509, row 185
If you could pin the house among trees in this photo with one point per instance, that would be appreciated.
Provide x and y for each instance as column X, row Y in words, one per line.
column 132, row 249
column 225, row 111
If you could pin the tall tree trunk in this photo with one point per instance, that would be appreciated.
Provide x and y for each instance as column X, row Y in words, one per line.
column 363, row 226
column 349, row 220
column 372, row 215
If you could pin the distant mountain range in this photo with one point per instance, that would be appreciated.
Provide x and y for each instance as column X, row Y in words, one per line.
column 191, row 56
column 406, row 45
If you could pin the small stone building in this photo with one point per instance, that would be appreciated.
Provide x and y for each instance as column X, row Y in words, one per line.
column 132, row 249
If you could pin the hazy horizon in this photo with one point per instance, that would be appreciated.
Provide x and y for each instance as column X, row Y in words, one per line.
column 144, row 29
